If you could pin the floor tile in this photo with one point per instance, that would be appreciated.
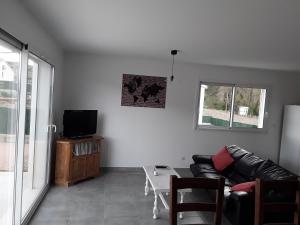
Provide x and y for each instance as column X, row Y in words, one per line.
column 122, row 221
column 111, row 199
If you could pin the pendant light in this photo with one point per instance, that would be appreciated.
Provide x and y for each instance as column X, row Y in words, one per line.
column 173, row 53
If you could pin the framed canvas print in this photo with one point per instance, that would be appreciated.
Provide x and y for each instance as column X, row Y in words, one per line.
column 143, row 91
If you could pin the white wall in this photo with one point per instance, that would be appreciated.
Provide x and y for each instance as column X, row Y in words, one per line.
column 137, row 136
column 16, row 20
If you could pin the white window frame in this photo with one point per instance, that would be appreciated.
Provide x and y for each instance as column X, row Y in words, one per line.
column 200, row 94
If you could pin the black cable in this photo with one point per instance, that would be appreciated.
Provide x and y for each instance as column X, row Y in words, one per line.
column 172, row 77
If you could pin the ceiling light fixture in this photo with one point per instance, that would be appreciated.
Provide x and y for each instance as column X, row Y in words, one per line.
column 173, row 53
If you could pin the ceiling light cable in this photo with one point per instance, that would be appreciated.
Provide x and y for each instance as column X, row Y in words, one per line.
column 173, row 53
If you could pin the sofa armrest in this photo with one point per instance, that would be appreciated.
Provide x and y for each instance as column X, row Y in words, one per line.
column 202, row 158
column 239, row 208
column 240, row 196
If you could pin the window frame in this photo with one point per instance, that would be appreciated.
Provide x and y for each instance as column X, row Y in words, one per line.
column 231, row 120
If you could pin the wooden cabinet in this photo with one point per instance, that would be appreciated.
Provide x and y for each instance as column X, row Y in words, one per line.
column 73, row 165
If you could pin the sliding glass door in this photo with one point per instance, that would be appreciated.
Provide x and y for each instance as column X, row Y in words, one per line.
column 37, row 120
column 25, row 130
column 9, row 81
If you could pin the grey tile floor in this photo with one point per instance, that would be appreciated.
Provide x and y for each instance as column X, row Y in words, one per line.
column 112, row 199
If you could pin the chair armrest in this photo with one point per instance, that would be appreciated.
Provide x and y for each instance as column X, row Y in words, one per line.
column 202, row 158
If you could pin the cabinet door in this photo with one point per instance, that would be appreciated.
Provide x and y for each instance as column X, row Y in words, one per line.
column 93, row 165
column 78, row 168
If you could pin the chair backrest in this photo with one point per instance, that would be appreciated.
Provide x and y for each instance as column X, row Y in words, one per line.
column 262, row 206
column 196, row 183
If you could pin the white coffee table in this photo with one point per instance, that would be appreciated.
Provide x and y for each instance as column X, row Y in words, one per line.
column 160, row 185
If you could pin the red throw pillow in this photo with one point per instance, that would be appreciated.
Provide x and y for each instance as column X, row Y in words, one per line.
column 222, row 159
column 247, row 186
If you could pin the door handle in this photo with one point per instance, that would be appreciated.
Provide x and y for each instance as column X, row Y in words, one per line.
column 52, row 127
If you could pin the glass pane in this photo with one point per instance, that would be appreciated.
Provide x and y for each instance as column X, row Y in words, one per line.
column 36, row 141
column 9, row 76
column 29, row 193
column 215, row 105
column 249, row 107
column 42, row 123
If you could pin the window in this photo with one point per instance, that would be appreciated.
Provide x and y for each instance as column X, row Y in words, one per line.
column 231, row 106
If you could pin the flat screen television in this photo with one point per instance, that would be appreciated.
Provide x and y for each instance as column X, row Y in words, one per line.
column 79, row 123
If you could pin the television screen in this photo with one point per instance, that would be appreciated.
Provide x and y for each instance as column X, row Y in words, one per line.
column 79, row 123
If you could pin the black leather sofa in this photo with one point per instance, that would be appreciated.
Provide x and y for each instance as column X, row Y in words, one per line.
column 239, row 206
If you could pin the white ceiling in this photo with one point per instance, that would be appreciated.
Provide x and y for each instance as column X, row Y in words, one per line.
column 250, row 33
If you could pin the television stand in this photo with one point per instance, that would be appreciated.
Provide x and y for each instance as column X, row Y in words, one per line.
column 80, row 137
column 77, row 159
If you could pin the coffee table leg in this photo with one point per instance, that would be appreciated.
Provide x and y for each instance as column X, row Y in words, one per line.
column 181, row 201
column 155, row 208
column 147, row 186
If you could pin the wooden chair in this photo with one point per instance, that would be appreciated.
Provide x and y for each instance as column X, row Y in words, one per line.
column 262, row 207
column 199, row 183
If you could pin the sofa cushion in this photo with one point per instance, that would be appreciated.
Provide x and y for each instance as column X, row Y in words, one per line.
column 237, row 152
column 208, row 171
column 198, row 169
column 236, row 178
column 217, row 176
column 271, row 171
column 247, row 186
column 247, row 165
column 222, row 159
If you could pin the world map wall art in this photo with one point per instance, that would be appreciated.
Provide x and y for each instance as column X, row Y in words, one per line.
column 144, row 91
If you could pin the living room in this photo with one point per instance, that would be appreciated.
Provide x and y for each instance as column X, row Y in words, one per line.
column 92, row 45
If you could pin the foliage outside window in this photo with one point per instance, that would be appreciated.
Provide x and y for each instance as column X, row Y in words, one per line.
column 231, row 106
